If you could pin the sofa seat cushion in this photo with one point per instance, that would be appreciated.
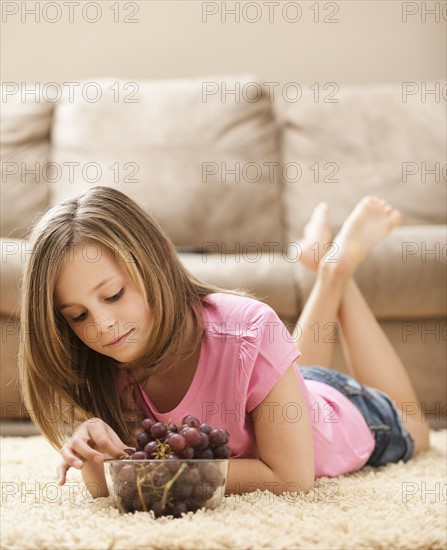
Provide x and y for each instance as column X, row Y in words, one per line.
column 402, row 278
column 268, row 276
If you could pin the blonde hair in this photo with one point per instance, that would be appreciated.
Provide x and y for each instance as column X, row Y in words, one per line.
column 63, row 381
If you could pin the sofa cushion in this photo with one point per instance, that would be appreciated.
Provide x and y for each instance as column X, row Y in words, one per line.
column 14, row 253
column 377, row 139
column 268, row 276
column 403, row 277
column 25, row 131
column 172, row 151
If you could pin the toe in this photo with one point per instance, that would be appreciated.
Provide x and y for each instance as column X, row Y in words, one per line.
column 396, row 216
column 371, row 200
column 321, row 207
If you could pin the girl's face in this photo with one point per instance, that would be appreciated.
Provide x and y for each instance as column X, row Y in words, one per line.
column 102, row 304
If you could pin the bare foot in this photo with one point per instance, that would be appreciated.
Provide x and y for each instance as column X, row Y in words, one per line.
column 369, row 223
column 316, row 237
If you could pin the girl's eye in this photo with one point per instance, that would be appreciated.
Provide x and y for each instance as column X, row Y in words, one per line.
column 111, row 299
column 116, row 297
column 78, row 319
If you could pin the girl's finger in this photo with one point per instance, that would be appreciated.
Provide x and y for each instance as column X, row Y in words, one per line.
column 62, row 470
column 108, row 441
column 72, row 458
column 119, row 446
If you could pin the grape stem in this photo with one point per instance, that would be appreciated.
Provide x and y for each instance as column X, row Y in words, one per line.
column 140, row 494
column 170, row 483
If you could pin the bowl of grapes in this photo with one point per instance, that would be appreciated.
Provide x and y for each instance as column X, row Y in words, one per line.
column 174, row 469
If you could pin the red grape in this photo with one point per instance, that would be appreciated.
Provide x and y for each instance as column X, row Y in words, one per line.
column 217, row 437
column 143, row 439
column 130, row 452
column 205, row 428
column 192, row 476
column 179, row 508
column 203, row 491
column 173, row 463
column 147, row 424
column 159, row 430
column 187, row 452
column 139, row 455
column 177, row 442
column 211, row 473
column 157, row 509
column 205, row 454
column 205, row 441
column 191, row 421
column 150, row 447
column 192, row 437
column 226, row 434
column 127, row 473
column 222, row 451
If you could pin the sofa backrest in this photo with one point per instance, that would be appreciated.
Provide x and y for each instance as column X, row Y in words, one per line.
column 25, row 154
column 189, row 158
column 342, row 143
column 222, row 170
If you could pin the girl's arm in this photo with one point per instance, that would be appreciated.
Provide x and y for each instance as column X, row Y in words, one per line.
column 91, row 442
column 95, row 479
column 92, row 473
column 284, row 441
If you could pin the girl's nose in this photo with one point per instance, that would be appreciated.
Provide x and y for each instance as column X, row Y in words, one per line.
column 107, row 325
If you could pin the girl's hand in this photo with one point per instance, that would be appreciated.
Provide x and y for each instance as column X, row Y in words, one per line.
column 91, row 441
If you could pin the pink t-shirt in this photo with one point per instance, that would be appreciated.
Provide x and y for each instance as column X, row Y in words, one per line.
column 245, row 350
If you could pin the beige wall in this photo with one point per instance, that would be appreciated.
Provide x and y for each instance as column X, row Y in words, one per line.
column 369, row 43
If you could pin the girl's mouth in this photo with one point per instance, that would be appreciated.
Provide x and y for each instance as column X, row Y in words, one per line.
column 120, row 340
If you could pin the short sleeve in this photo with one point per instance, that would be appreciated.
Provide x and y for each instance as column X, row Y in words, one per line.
column 267, row 350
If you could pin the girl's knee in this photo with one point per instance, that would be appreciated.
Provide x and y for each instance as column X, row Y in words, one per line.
column 420, row 432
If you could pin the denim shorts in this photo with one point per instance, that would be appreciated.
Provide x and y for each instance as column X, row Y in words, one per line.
column 392, row 441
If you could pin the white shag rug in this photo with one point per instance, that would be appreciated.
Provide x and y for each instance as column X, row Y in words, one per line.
column 397, row 506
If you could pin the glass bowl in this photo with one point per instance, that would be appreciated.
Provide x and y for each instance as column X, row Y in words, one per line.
column 168, row 486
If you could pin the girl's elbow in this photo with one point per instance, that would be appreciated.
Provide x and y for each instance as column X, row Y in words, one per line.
column 97, row 490
column 295, row 487
column 297, row 484
column 100, row 493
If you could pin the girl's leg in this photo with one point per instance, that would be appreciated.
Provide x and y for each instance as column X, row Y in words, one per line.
column 319, row 314
column 318, row 320
column 369, row 223
column 374, row 362
column 369, row 355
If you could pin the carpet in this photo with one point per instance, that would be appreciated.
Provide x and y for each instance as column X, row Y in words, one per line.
column 401, row 506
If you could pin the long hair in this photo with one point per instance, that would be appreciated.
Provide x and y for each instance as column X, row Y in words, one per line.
column 65, row 382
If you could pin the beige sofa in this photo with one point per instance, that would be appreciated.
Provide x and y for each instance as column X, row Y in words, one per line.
column 231, row 167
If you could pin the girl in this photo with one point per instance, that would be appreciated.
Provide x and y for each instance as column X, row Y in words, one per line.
column 116, row 329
